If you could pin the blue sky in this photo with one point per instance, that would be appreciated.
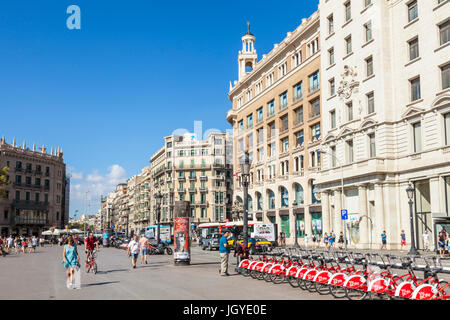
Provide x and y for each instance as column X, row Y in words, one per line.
column 135, row 72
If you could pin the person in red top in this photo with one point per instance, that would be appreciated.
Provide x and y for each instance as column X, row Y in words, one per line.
column 89, row 244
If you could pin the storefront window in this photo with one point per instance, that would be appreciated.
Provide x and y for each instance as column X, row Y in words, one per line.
column 316, row 223
column 285, row 225
column 300, row 225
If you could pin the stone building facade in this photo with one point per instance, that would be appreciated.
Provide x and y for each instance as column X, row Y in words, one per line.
column 37, row 195
column 276, row 116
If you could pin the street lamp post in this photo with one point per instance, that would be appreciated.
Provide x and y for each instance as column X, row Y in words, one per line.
column 158, row 198
column 342, row 192
column 245, row 175
column 410, row 193
column 294, row 205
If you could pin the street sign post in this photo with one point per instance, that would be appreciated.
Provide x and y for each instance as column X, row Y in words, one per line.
column 344, row 214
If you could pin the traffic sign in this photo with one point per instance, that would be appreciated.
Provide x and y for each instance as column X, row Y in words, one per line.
column 344, row 214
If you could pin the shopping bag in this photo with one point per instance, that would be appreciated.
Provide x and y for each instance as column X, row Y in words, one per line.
column 77, row 277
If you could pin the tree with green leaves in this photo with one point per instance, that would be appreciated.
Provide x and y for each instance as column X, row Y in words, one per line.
column 3, row 181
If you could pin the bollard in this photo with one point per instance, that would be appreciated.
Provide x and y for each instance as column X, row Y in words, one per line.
column 182, row 246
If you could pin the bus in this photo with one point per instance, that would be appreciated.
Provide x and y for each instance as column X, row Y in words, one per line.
column 266, row 231
column 166, row 233
column 210, row 227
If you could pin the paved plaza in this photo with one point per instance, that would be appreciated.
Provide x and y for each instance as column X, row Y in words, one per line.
column 41, row 275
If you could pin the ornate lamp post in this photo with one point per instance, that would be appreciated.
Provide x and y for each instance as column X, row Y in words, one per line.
column 245, row 176
column 295, row 205
column 410, row 193
column 158, row 198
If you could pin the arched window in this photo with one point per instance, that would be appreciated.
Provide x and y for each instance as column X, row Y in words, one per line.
column 284, row 197
column 299, row 196
column 250, row 204
column 271, row 198
column 259, row 201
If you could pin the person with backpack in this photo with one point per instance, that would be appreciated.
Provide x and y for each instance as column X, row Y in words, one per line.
column 341, row 240
column 383, row 240
column 325, row 240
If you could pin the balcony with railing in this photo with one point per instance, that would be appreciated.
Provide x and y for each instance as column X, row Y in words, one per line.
column 24, row 220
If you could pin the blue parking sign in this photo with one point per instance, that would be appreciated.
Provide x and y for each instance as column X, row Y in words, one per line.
column 344, row 214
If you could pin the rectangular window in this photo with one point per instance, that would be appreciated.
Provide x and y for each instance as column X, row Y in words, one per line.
column 369, row 66
column 417, row 135
column 415, row 89
column 332, row 87
column 349, row 111
column 444, row 32
column 315, row 107
column 445, row 75
column 370, row 103
column 314, row 84
column 298, row 116
column 271, row 108
column 284, row 123
column 333, row 119
column 315, row 131
column 368, row 31
column 250, row 121
column 350, row 151
column 372, row 152
column 348, row 11
column 348, row 44
column 283, row 100
column 285, row 144
column 330, row 24
column 412, row 11
column 241, row 126
column 331, row 56
column 299, row 138
column 413, row 49
column 259, row 115
column 447, row 128
column 298, row 93
column 333, row 157
column 260, row 136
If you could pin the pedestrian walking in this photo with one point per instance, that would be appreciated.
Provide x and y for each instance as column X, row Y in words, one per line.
column 341, row 240
column 314, row 239
column 441, row 244
column 70, row 261
column 325, row 240
column 224, row 252
column 306, row 239
column 133, row 250
column 143, row 242
column 402, row 240
column 383, row 240
column 331, row 239
column 24, row 245
column 426, row 240
column 10, row 243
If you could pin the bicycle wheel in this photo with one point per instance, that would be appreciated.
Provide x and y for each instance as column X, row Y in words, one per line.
column 310, row 286
column 253, row 274
column 443, row 290
column 266, row 277
column 337, row 291
column 292, row 281
column 260, row 275
column 169, row 251
column 355, row 294
column 244, row 272
column 322, row 288
column 301, row 283
column 277, row 278
column 88, row 267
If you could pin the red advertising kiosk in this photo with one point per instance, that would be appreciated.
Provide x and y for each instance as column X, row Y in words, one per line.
column 182, row 245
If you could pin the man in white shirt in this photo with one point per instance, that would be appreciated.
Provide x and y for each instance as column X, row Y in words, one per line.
column 10, row 243
column 426, row 240
column 133, row 250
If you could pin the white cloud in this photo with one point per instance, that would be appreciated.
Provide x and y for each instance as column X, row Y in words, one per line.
column 85, row 192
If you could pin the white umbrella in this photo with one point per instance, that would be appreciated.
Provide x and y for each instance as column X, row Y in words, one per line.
column 47, row 233
column 57, row 232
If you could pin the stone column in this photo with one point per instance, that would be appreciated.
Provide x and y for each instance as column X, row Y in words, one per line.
column 364, row 226
column 308, row 221
column 326, row 211
column 379, row 216
column 337, row 223
column 291, row 226
column 436, row 199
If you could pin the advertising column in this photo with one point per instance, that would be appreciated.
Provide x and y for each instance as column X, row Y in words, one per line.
column 182, row 247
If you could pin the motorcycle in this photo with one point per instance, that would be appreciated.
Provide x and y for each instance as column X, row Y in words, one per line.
column 160, row 249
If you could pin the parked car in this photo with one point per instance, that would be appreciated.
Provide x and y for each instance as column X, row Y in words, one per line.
column 261, row 244
column 211, row 241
